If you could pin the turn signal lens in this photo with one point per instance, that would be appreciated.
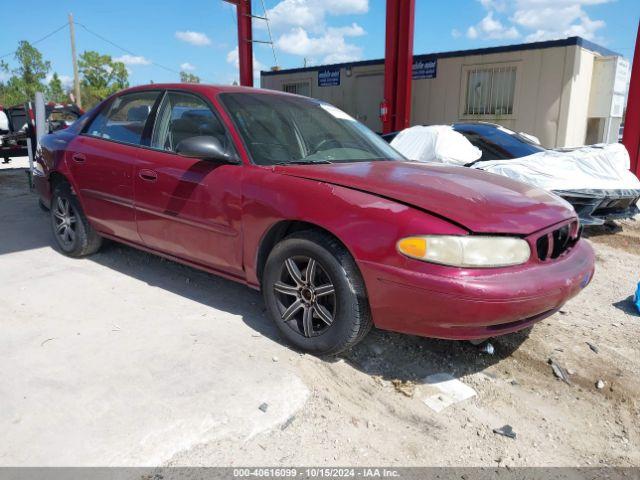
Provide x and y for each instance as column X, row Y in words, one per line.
column 466, row 251
column 415, row 247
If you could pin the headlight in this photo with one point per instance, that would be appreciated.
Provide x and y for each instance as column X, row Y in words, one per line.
column 466, row 251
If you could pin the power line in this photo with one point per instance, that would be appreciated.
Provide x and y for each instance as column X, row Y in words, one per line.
column 126, row 50
column 39, row 40
column 62, row 27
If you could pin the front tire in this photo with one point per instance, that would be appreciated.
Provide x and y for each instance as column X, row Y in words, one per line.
column 71, row 229
column 315, row 294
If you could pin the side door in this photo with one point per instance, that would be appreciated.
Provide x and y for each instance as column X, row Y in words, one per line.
column 186, row 207
column 102, row 161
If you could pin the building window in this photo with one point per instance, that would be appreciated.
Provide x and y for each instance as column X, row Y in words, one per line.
column 490, row 91
column 299, row 88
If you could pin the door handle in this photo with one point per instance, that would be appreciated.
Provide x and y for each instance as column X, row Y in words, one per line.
column 78, row 157
column 148, row 175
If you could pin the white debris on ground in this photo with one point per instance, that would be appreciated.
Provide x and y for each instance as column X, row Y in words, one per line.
column 449, row 391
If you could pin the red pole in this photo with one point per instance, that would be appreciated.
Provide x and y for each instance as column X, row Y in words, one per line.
column 398, row 64
column 405, row 64
column 390, row 64
column 631, row 133
column 245, row 43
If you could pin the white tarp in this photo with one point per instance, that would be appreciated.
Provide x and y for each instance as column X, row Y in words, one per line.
column 4, row 122
column 599, row 167
column 437, row 143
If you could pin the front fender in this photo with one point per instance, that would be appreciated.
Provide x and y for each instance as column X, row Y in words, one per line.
column 369, row 226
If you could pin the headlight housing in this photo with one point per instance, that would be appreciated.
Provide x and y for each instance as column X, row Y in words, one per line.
column 466, row 251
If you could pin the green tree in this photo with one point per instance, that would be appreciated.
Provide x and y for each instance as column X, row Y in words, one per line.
column 56, row 93
column 27, row 78
column 4, row 68
column 186, row 77
column 101, row 76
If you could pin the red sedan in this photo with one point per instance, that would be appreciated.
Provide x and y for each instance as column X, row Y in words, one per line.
column 292, row 196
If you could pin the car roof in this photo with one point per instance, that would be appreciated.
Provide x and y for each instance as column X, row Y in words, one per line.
column 476, row 123
column 202, row 88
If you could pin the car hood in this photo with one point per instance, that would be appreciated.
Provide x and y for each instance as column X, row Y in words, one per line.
column 479, row 201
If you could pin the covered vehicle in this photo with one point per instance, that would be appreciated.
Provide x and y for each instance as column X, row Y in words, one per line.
column 595, row 179
column 292, row 196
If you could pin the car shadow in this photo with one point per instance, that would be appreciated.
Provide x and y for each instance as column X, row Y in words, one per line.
column 607, row 228
column 23, row 225
column 395, row 356
column 387, row 354
column 627, row 306
column 196, row 285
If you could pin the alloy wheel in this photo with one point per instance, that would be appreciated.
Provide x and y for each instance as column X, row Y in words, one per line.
column 65, row 222
column 306, row 296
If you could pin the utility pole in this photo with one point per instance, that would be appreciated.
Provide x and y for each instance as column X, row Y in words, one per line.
column 76, row 78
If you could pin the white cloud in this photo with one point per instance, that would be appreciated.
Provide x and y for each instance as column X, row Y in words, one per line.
column 307, row 28
column 455, row 33
column 198, row 39
column 497, row 5
column 234, row 59
column 133, row 60
column 492, row 29
column 331, row 44
column 65, row 80
column 537, row 20
column 187, row 67
column 311, row 14
column 557, row 19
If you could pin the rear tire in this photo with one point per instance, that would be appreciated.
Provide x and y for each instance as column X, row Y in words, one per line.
column 71, row 229
column 315, row 294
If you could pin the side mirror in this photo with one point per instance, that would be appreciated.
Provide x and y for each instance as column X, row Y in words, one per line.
column 205, row 147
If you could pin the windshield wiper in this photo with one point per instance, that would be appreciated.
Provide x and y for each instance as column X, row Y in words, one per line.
column 303, row 162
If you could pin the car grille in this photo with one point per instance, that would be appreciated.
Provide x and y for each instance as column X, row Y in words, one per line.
column 554, row 244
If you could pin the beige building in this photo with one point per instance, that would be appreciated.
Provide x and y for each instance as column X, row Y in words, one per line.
column 565, row 92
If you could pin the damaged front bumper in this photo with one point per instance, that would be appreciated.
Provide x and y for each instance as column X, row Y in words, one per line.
column 595, row 206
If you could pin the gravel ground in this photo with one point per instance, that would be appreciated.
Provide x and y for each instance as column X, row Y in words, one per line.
column 366, row 407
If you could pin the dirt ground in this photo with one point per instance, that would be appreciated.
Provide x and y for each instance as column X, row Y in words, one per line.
column 356, row 415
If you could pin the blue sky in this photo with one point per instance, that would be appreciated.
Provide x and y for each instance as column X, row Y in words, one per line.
column 200, row 35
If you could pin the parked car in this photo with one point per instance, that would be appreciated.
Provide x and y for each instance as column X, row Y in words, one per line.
column 292, row 196
column 14, row 126
column 593, row 179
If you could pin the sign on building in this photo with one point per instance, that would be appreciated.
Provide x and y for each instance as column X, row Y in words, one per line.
column 329, row 77
column 425, row 69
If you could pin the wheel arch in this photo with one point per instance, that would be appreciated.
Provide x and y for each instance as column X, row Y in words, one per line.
column 279, row 231
column 55, row 178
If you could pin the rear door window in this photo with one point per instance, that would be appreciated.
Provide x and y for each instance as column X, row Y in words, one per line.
column 125, row 118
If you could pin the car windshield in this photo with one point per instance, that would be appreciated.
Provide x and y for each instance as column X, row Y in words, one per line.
column 285, row 129
column 496, row 142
